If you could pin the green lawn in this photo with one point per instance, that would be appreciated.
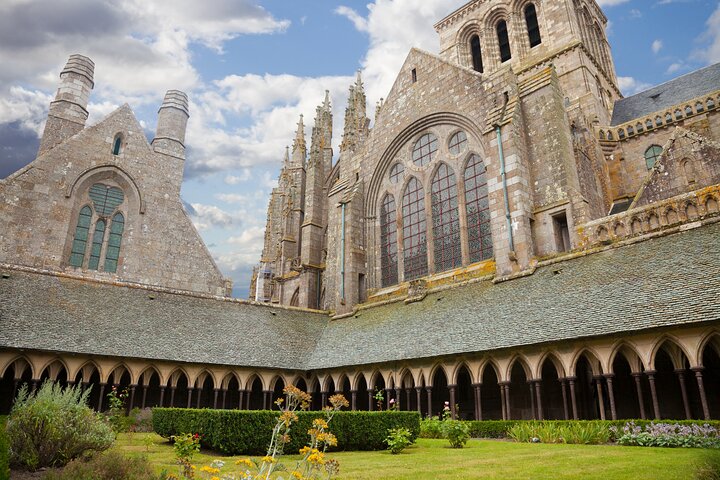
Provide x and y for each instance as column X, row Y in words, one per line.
column 486, row 459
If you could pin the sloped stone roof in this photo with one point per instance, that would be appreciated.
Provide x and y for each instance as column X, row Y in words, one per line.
column 668, row 94
column 666, row 281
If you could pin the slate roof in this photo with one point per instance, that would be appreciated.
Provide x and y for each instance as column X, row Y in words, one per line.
column 666, row 95
column 666, row 281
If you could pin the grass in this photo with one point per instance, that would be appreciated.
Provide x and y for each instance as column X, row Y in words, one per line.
column 485, row 459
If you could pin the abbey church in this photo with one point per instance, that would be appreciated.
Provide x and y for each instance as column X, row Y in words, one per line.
column 508, row 234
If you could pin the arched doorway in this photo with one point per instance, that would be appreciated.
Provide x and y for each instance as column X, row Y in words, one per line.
column 625, row 382
column 231, row 394
column 255, row 394
column 464, row 395
column 587, row 402
column 491, row 407
column 521, row 394
column 205, row 387
column 150, row 385
column 676, row 393
column 18, row 373
column 277, row 393
column 551, row 400
column 440, row 393
column 363, row 401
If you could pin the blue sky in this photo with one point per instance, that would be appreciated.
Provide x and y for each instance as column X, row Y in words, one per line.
column 251, row 67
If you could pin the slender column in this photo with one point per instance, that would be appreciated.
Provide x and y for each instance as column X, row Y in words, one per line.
column 418, row 393
column 224, row 396
column 532, row 400
column 102, row 394
column 353, row 400
column 371, row 400
column 611, row 395
column 144, row 395
column 190, row 391
column 653, row 392
column 267, row 400
column 248, row 398
column 428, row 390
column 215, row 398
column 172, row 396
column 601, row 400
column 683, row 390
column 162, row 396
column 199, row 396
column 573, row 399
column 563, row 386
column 638, row 387
column 538, row 395
column 452, row 389
column 502, row 401
column 701, row 388
column 323, row 399
column 241, row 394
column 388, row 391
column 407, row 398
column 34, row 385
column 476, row 397
column 15, row 387
column 398, row 394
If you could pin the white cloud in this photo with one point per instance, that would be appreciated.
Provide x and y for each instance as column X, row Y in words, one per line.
column 635, row 13
column 656, row 46
column 360, row 22
column 244, row 176
column 711, row 37
column 207, row 216
column 631, row 86
column 29, row 107
column 610, row 3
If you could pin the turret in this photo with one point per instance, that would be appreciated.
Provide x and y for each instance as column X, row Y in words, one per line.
column 68, row 112
column 356, row 122
column 172, row 122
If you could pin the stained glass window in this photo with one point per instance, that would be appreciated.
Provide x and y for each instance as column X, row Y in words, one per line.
column 503, row 41
column 97, row 242
column 388, row 241
column 532, row 25
column 414, row 230
column 116, row 145
column 478, row 210
column 105, row 198
column 458, row 143
column 651, row 155
column 424, row 150
column 396, row 173
column 82, row 229
column 445, row 220
column 113, row 247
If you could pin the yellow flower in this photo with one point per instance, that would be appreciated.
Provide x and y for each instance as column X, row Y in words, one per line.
column 268, row 459
column 320, row 423
column 210, row 470
column 304, row 450
column 316, row 458
column 214, row 478
column 245, row 461
column 296, row 474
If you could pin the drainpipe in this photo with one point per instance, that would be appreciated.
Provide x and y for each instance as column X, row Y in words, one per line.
column 503, row 175
column 342, row 256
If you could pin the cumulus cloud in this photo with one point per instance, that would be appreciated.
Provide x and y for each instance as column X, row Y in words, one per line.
column 710, row 53
column 611, row 3
column 360, row 22
column 656, row 46
column 631, row 86
column 208, row 216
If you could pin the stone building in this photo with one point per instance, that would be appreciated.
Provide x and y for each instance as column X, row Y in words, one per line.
column 509, row 235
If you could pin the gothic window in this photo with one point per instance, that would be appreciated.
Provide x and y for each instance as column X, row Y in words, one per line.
column 445, row 220
column 414, row 230
column 97, row 242
column 77, row 255
column 424, row 150
column 478, row 210
column 533, row 28
column 396, row 173
column 458, row 143
column 113, row 247
column 651, row 155
column 476, row 53
column 388, row 241
column 117, row 144
column 503, row 41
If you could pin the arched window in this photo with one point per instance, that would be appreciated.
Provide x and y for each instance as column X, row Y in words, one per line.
column 424, row 150
column 476, row 53
column 445, row 220
column 295, row 299
column 503, row 41
column 77, row 255
column 477, row 205
column 457, row 143
column 117, row 144
column 533, row 28
column 97, row 243
column 651, row 155
column 114, row 240
column 388, row 241
column 396, row 173
column 414, row 230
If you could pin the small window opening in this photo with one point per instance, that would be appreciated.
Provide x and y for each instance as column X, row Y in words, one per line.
column 117, row 144
column 699, row 107
column 476, row 53
column 414, row 75
column 688, row 111
column 503, row 41
column 532, row 25
column 562, row 232
column 361, row 288
column 668, row 118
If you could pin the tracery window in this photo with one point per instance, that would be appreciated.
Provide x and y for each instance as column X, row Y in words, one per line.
column 388, row 241
column 651, row 155
column 396, row 173
column 414, row 230
column 424, row 150
column 533, row 28
column 503, row 41
column 445, row 220
column 477, row 205
column 113, row 246
column 77, row 255
column 476, row 53
column 458, row 143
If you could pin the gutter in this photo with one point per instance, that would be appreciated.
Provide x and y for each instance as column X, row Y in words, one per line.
column 503, row 175
column 342, row 255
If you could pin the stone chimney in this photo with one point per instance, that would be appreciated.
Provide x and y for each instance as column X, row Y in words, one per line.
column 172, row 123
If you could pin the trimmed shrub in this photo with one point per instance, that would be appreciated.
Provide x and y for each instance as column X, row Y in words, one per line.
column 52, row 426
column 398, row 439
column 491, row 428
column 107, row 466
column 456, row 432
column 431, row 428
column 4, row 451
column 248, row 432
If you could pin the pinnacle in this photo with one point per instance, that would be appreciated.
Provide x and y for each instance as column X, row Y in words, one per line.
column 326, row 102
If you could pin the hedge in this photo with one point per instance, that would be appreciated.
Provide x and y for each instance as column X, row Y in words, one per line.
column 500, row 428
column 248, row 432
column 4, row 451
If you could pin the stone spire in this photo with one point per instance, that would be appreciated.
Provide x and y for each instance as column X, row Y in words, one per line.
column 299, row 149
column 356, row 121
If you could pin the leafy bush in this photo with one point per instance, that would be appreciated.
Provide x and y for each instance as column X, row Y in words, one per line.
column 669, row 435
column 249, row 432
column 107, row 466
column 431, row 428
column 52, row 426
column 582, row 432
column 4, row 451
column 398, row 439
column 457, row 432
column 490, row 428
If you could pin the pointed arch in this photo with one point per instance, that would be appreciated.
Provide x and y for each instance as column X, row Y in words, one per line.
column 477, row 209
column 524, row 364
column 388, row 241
column 445, row 218
column 630, row 354
column 116, row 368
column 676, row 351
column 434, row 370
column 592, row 358
column 357, row 378
column 552, row 357
column 228, row 377
column 414, row 225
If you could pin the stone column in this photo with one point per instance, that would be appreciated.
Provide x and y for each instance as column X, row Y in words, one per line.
column 418, row 394
column 653, row 393
column 538, row 395
column 248, row 398
column 224, row 397
column 199, row 396
column 353, row 400
column 638, row 388
column 683, row 390
column 241, row 395
column 144, row 395
column 190, row 392
column 478, row 401
column 371, row 400
column 502, row 401
column 398, row 394
column 573, row 399
column 611, row 395
column 323, row 399
column 407, row 398
column 563, row 386
column 428, row 390
column 601, row 400
column 267, row 399
column 452, row 389
column 532, row 400
column 102, row 395
column 701, row 388
column 388, row 391
column 215, row 397
column 172, row 396
column 162, row 396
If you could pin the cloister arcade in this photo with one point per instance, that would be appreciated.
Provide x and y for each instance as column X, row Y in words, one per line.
column 669, row 374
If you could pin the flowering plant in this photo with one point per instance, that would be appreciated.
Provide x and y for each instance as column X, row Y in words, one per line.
column 668, row 435
column 446, row 414
column 379, row 399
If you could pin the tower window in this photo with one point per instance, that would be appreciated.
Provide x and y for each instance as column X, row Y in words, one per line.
column 533, row 28
column 117, row 144
column 651, row 155
column 503, row 41
column 476, row 53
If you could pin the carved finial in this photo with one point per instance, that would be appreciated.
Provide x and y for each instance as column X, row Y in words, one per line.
column 326, row 102
column 299, row 142
column 287, row 154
